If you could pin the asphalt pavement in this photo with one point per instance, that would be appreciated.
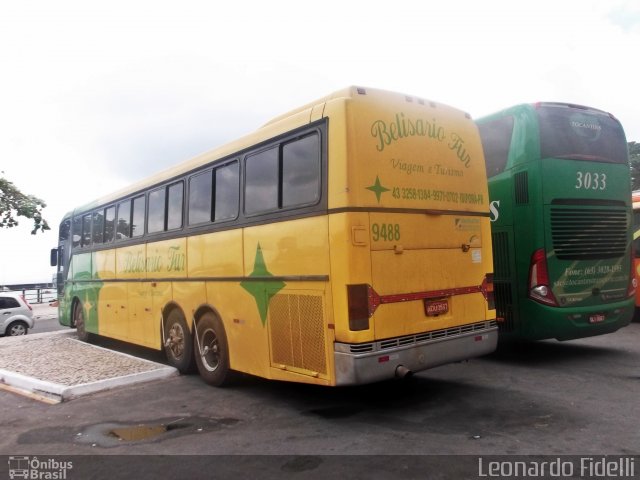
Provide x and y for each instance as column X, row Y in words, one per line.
column 572, row 403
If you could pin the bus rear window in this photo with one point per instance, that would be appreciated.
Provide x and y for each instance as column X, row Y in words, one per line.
column 496, row 142
column 580, row 134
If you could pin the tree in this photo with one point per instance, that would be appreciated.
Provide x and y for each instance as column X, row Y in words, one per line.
column 634, row 158
column 14, row 203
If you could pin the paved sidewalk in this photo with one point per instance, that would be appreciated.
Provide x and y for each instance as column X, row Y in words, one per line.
column 56, row 366
column 43, row 311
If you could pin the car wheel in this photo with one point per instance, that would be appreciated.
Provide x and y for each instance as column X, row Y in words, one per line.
column 17, row 328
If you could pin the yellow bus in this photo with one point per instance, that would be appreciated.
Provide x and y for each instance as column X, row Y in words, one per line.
column 343, row 243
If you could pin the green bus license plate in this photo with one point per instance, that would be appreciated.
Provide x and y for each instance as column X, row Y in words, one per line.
column 433, row 308
column 596, row 318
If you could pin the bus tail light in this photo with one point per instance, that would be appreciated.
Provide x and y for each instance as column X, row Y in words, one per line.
column 361, row 306
column 539, row 288
column 633, row 281
column 488, row 291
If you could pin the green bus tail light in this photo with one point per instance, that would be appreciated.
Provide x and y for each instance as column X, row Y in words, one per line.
column 539, row 289
column 360, row 308
column 633, row 281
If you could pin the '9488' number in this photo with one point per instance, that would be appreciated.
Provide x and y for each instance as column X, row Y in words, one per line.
column 385, row 231
column 591, row 181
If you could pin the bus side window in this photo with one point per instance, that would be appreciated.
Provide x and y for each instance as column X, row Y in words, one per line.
column 261, row 181
column 76, row 233
column 227, row 192
column 200, row 192
column 155, row 217
column 109, row 224
column 174, row 206
column 124, row 220
column 496, row 140
column 301, row 171
column 165, row 208
column 137, row 223
column 86, row 230
column 98, row 227
column 65, row 228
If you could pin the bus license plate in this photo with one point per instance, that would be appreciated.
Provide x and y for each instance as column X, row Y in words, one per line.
column 596, row 318
column 433, row 308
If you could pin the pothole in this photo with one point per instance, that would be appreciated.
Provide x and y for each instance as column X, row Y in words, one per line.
column 143, row 432
column 113, row 434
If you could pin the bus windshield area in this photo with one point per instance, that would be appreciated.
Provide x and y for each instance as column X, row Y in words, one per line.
column 580, row 134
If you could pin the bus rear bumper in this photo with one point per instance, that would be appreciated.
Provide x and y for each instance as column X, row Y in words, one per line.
column 362, row 363
column 542, row 322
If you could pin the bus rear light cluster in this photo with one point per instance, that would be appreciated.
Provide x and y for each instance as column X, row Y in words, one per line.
column 360, row 306
column 539, row 288
column 633, row 281
column 488, row 291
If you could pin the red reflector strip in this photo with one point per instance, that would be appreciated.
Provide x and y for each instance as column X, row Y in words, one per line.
column 383, row 359
column 449, row 292
column 375, row 300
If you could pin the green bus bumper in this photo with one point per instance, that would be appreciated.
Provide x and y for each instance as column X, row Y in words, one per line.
column 539, row 322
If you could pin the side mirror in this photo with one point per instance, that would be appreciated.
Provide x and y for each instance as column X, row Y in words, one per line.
column 54, row 257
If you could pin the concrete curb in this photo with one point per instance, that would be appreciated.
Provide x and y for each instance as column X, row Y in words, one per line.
column 58, row 393
column 47, row 389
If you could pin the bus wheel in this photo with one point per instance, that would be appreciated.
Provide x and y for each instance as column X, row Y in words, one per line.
column 212, row 351
column 178, row 344
column 78, row 322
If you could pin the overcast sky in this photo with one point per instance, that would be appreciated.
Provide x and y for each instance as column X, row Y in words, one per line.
column 94, row 96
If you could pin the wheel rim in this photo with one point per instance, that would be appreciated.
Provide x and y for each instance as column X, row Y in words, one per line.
column 17, row 329
column 210, row 352
column 176, row 340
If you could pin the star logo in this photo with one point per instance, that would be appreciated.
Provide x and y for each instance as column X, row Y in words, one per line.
column 377, row 188
column 87, row 304
column 260, row 286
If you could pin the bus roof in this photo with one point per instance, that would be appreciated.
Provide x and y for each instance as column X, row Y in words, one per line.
column 300, row 116
column 270, row 129
column 535, row 105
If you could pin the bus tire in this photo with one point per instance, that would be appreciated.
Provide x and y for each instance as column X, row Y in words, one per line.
column 212, row 353
column 79, row 323
column 178, row 346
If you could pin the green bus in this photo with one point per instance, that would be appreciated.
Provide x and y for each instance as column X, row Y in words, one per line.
column 560, row 194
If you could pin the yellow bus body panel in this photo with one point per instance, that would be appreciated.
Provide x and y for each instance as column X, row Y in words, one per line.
column 418, row 168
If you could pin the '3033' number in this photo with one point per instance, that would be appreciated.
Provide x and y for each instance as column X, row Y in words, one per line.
column 591, row 181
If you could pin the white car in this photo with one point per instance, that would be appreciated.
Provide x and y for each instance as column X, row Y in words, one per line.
column 16, row 315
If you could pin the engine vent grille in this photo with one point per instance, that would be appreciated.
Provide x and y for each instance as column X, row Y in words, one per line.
column 589, row 233
column 297, row 332
column 521, row 183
